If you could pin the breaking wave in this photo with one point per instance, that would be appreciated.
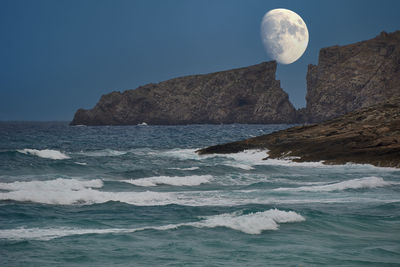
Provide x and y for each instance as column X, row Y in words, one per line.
column 58, row 191
column 58, row 184
column 240, row 166
column 252, row 223
column 103, row 153
column 45, row 153
column 185, row 169
column 51, row 233
column 171, row 180
column 243, row 160
column 81, row 163
column 361, row 183
column 86, row 192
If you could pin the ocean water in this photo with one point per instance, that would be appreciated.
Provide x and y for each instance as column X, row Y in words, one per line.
column 141, row 196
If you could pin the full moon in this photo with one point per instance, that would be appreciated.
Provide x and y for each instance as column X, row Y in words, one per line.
column 284, row 35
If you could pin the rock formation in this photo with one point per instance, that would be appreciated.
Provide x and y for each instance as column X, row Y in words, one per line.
column 245, row 95
column 369, row 135
column 346, row 78
column 353, row 76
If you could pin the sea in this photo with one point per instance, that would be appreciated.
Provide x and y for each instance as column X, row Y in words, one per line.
column 142, row 196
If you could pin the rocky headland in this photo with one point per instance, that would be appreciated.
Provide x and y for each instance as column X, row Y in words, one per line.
column 369, row 135
column 353, row 76
column 245, row 95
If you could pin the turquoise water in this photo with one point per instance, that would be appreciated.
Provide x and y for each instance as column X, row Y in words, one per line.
column 140, row 196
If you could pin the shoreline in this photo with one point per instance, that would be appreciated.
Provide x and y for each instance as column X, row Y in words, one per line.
column 367, row 136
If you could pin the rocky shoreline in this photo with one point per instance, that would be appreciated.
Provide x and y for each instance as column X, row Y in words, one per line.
column 368, row 136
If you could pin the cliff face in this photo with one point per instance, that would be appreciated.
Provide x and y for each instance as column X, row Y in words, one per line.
column 245, row 95
column 353, row 76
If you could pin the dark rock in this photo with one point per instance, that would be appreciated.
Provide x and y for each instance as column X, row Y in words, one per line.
column 353, row 76
column 245, row 95
column 370, row 135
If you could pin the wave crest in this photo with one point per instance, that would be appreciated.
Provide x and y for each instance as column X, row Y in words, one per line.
column 361, row 183
column 192, row 180
column 57, row 191
column 252, row 223
column 103, row 153
column 45, row 153
column 58, row 184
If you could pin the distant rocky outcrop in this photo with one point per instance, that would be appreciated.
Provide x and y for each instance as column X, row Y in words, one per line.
column 352, row 76
column 245, row 95
column 370, row 135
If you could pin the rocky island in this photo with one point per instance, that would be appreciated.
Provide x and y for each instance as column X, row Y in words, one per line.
column 245, row 95
column 369, row 135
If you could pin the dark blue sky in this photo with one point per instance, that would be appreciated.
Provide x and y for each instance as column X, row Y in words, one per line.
column 58, row 56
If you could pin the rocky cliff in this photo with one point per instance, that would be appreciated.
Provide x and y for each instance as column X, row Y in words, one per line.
column 368, row 135
column 353, row 76
column 245, row 95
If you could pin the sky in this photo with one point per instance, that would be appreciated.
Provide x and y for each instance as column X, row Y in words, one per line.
column 57, row 56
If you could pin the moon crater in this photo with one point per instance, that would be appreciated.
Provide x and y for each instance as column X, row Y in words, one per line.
column 284, row 35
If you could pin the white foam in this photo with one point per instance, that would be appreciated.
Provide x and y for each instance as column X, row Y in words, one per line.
column 289, row 163
column 103, row 153
column 58, row 184
column 187, row 153
column 45, row 153
column 185, row 169
column 370, row 166
column 255, row 157
column 58, row 191
column 85, row 192
column 244, row 160
column 240, row 166
column 91, row 196
column 72, row 191
column 250, row 156
column 366, row 182
column 80, row 163
column 253, row 223
column 290, row 181
column 50, row 233
column 192, row 180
